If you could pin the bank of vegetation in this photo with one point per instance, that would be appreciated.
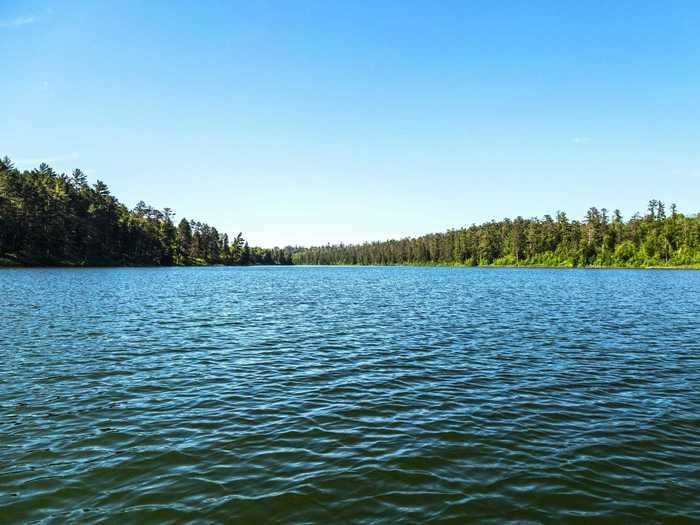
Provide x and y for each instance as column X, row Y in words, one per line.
column 50, row 218
column 660, row 238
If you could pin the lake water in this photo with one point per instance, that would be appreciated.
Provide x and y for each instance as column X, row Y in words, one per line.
column 349, row 395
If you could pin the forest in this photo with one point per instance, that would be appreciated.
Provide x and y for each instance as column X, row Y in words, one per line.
column 49, row 218
column 660, row 237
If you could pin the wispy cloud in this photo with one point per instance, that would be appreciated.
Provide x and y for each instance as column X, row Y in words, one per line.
column 581, row 140
column 49, row 160
column 18, row 21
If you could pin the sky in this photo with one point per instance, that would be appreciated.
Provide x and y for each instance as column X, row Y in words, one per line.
column 303, row 123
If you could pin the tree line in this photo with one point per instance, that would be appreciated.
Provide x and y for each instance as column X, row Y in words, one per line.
column 660, row 237
column 53, row 218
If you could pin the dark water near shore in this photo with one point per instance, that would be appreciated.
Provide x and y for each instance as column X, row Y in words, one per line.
column 349, row 395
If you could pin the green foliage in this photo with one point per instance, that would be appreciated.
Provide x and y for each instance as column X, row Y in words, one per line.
column 52, row 218
column 625, row 252
column 48, row 218
column 598, row 240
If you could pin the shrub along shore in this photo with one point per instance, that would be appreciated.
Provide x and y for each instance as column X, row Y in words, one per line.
column 659, row 238
column 54, row 219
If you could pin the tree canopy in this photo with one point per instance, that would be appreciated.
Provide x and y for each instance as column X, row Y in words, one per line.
column 54, row 218
column 657, row 238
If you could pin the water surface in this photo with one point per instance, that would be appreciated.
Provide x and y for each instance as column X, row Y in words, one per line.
column 349, row 395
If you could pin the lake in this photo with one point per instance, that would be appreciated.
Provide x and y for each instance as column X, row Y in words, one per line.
column 349, row 395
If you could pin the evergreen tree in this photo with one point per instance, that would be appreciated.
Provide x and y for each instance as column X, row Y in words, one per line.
column 598, row 240
column 52, row 218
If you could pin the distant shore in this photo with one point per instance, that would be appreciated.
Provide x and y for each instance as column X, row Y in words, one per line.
column 522, row 266
column 12, row 262
column 6, row 262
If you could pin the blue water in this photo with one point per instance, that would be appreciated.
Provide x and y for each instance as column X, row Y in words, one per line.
column 349, row 395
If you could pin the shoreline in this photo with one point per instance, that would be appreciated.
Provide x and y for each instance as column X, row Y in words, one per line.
column 520, row 266
column 6, row 262
column 10, row 264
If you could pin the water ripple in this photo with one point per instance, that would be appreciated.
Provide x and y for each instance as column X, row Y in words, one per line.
column 349, row 395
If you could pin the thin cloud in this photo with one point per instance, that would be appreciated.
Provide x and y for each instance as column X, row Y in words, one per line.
column 18, row 21
column 581, row 140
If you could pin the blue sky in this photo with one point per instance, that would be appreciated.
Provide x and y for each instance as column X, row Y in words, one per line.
column 312, row 122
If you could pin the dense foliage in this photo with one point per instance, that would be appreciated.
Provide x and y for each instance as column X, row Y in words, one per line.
column 52, row 218
column 656, row 239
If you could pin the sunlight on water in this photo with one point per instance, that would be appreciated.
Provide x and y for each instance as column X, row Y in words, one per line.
column 359, row 395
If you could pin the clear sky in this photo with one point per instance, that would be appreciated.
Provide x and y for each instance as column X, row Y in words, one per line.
column 312, row 122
